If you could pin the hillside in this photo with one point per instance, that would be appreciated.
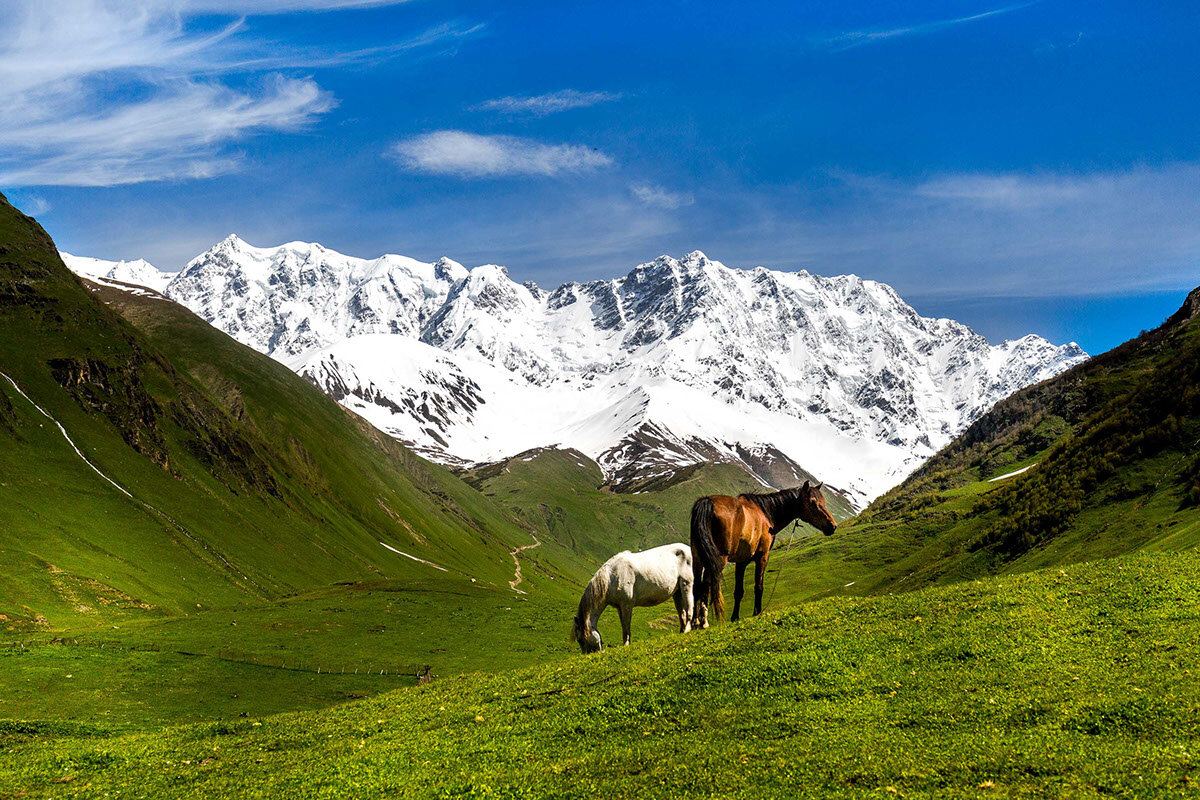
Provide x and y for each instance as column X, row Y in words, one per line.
column 1096, row 462
column 228, row 479
column 1077, row 682
column 560, row 493
column 206, row 517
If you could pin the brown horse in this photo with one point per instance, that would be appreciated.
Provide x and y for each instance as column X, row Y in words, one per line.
column 742, row 529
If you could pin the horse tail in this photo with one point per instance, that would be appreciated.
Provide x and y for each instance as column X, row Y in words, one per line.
column 593, row 597
column 704, row 548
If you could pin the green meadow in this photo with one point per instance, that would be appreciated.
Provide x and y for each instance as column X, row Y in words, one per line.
column 1079, row 682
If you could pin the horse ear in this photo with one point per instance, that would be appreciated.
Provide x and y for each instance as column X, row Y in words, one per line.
column 806, row 484
column 819, row 486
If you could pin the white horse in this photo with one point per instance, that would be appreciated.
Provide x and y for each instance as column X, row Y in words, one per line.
column 636, row 579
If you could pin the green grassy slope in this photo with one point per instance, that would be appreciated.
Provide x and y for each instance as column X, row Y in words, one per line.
column 251, row 535
column 247, row 483
column 581, row 524
column 1112, row 449
column 1078, row 682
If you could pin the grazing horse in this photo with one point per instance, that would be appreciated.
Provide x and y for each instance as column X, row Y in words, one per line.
column 742, row 529
column 635, row 579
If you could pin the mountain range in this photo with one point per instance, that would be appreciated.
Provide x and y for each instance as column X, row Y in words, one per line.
column 682, row 361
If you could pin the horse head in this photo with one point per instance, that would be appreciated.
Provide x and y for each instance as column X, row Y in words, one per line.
column 592, row 644
column 583, row 634
column 813, row 510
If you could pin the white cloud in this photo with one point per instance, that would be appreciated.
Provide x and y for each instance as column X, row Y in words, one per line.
column 659, row 197
column 543, row 104
column 1012, row 191
column 471, row 155
column 107, row 92
column 991, row 234
column 280, row 6
column 850, row 39
column 31, row 204
column 177, row 135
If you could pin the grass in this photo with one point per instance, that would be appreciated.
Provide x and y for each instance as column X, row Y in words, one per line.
column 1077, row 682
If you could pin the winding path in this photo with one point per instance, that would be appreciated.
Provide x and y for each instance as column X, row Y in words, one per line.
column 516, row 557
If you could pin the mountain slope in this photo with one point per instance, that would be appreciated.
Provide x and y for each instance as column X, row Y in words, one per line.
column 190, row 471
column 559, row 493
column 679, row 362
column 1096, row 462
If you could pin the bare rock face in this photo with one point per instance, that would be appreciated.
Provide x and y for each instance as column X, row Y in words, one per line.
column 680, row 361
column 1189, row 310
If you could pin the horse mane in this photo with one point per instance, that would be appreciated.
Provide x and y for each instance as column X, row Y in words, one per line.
column 772, row 503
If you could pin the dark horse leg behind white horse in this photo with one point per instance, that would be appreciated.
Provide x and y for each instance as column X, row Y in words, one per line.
column 739, row 590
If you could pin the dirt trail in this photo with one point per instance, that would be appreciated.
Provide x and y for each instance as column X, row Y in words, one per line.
column 516, row 557
column 414, row 558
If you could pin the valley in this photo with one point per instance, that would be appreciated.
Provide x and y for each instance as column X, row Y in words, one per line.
column 604, row 401
column 215, row 574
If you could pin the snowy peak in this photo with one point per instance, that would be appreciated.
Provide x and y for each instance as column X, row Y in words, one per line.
column 290, row 299
column 448, row 270
column 138, row 272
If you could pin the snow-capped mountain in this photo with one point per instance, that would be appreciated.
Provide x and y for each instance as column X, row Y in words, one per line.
column 138, row 272
column 679, row 361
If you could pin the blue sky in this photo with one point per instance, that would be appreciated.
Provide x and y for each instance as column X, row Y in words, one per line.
column 1021, row 167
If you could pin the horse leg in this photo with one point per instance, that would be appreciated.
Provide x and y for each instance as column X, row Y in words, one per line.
column 699, row 596
column 683, row 606
column 760, row 574
column 689, row 606
column 738, row 591
column 626, row 613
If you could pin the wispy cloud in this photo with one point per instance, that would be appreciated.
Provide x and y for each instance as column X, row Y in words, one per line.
column 32, row 204
column 177, row 135
column 280, row 6
column 850, row 39
column 658, row 197
column 471, row 155
column 544, row 104
column 137, row 90
column 991, row 234
column 1017, row 192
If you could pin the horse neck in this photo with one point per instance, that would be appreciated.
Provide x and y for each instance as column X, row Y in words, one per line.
column 782, row 510
column 591, row 605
